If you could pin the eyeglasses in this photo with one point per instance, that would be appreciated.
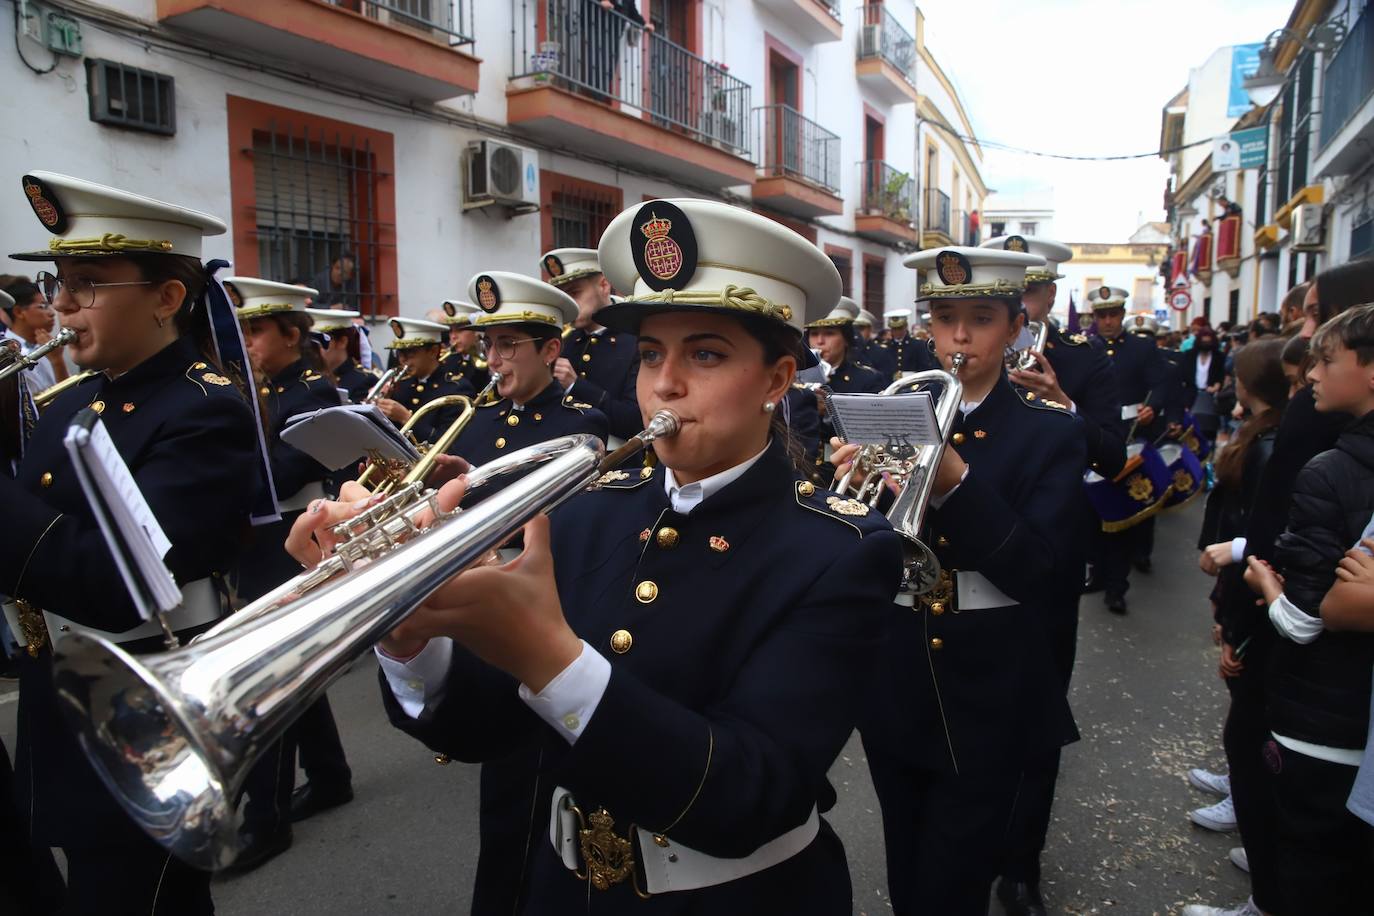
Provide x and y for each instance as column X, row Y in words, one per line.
column 81, row 290
column 505, row 347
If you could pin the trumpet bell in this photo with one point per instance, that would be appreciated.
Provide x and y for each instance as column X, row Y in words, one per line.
column 174, row 735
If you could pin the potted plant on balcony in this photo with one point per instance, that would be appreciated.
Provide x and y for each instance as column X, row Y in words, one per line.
column 896, row 203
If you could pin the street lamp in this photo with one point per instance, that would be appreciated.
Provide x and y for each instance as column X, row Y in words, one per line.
column 1264, row 86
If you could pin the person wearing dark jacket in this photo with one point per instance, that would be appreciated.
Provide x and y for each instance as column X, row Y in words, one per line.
column 276, row 329
column 1262, row 388
column 1071, row 372
column 1202, row 370
column 1319, row 679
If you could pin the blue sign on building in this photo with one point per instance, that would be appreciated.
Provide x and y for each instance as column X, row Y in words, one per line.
column 1244, row 63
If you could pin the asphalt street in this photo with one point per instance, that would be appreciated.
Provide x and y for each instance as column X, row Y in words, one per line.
column 1147, row 699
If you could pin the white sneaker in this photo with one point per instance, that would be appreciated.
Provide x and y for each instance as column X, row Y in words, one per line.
column 1247, row 908
column 1239, row 859
column 1207, row 781
column 1220, row 817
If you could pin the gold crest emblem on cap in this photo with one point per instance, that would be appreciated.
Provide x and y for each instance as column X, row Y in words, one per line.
column 951, row 269
column 486, row 295
column 42, row 207
column 662, row 255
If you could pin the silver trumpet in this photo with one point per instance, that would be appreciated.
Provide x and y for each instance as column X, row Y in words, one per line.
column 384, row 383
column 1024, row 360
column 174, row 734
column 12, row 361
column 915, row 470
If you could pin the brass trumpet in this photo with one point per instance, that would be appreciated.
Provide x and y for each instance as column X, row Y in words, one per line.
column 915, row 470
column 173, row 735
column 45, row 397
column 11, row 361
column 394, row 473
column 390, row 378
column 1024, row 360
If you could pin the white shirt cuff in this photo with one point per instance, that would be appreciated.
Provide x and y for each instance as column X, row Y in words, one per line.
column 1237, row 549
column 569, row 701
column 416, row 682
column 1073, row 408
column 1293, row 623
column 938, row 501
column 569, row 389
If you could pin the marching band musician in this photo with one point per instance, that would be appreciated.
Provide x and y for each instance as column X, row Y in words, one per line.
column 967, row 690
column 521, row 326
column 597, row 366
column 907, row 353
column 277, row 331
column 416, row 346
column 129, row 280
column 642, row 678
column 1071, row 372
column 340, row 350
column 870, row 352
column 1144, row 380
column 833, row 338
column 463, row 360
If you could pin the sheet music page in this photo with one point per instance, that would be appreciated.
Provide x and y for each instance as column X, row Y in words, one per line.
column 337, row 436
column 133, row 533
column 893, row 420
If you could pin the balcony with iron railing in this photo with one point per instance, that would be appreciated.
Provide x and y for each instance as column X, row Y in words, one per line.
column 817, row 21
column 886, row 203
column 886, row 61
column 584, row 74
column 935, row 225
column 412, row 49
column 1347, row 108
column 799, row 163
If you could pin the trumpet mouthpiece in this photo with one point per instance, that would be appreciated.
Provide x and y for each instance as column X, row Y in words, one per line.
column 662, row 424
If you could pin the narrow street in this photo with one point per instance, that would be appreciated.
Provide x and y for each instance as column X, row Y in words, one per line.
column 1147, row 699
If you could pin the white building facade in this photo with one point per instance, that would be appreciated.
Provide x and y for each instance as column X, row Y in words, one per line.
column 432, row 140
column 1310, row 204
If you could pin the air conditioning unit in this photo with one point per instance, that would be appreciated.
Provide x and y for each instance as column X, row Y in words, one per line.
column 502, row 173
column 1307, row 228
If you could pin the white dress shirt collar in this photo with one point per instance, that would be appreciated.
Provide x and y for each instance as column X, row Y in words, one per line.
column 686, row 498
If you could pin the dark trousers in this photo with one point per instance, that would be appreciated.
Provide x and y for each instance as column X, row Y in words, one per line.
column 1252, row 791
column 30, row 884
column 269, row 786
column 135, row 878
column 1115, row 552
column 1030, row 823
column 1326, row 854
column 321, row 751
column 946, row 835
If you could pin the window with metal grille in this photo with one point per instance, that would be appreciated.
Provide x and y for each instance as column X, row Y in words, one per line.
column 124, row 96
column 844, row 263
column 1233, row 307
column 315, row 197
column 575, row 211
column 875, row 279
column 1362, row 238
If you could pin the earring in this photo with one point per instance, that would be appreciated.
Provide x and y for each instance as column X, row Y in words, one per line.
column 768, row 406
column 159, row 321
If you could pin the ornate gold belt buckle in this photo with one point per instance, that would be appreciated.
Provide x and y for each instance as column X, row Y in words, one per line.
column 609, row 859
column 33, row 625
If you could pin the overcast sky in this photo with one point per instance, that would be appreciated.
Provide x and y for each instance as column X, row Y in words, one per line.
column 1085, row 77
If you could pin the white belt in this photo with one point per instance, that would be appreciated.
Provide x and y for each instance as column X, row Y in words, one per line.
column 670, row 866
column 302, row 497
column 200, row 605
column 976, row 593
column 1130, row 411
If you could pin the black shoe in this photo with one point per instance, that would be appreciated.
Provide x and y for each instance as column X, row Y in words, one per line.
column 310, row 800
column 257, row 849
column 1144, row 564
column 1116, row 604
column 1020, row 898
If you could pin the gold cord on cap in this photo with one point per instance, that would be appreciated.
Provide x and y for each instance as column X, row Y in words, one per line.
column 738, row 298
column 110, row 241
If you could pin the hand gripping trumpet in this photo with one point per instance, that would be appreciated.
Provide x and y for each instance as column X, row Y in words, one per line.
column 173, row 735
column 12, row 362
column 915, row 473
